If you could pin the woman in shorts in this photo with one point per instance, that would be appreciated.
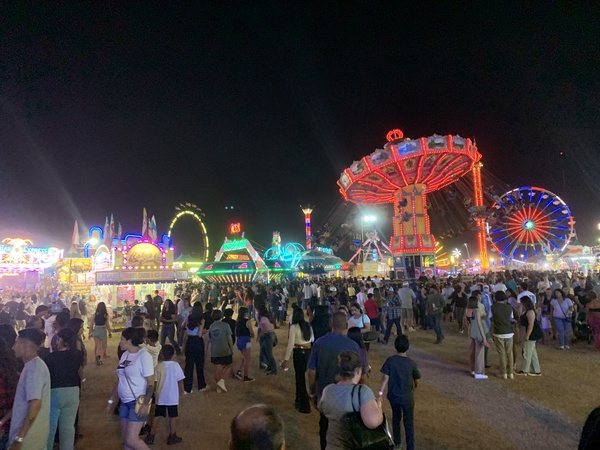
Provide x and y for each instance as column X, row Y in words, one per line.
column 135, row 378
column 244, row 333
column 100, row 331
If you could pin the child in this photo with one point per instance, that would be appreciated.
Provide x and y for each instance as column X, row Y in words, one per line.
column 152, row 345
column 546, row 327
column 169, row 386
column 403, row 375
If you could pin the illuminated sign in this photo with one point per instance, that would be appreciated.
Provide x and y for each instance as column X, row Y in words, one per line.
column 235, row 228
column 235, row 257
column 238, row 244
column 17, row 255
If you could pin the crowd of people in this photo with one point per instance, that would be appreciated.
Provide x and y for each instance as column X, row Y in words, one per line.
column 332, row 324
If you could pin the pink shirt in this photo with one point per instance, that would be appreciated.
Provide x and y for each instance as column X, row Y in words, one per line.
column 265, row 325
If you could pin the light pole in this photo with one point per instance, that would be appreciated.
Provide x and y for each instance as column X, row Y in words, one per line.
column 468, row 253
column 369, row 219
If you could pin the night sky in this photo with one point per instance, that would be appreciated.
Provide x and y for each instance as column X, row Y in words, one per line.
column 108, row 109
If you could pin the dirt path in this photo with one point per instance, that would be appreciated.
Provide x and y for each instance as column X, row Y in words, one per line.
column 522, row 422
column 453, row 411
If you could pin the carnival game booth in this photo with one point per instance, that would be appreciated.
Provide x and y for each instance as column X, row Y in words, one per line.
column 23, row 266
column 236, row 262
column 135, row 271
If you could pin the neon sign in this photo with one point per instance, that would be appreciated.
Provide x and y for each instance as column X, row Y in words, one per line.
column 238, row 244
column 18, row 255
column 235, row 228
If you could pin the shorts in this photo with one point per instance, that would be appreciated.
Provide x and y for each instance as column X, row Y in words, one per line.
column 100, row 332
column 166, row 411
column 407, row 313
column 243, row 343
column 222, row 360
column 127, row 412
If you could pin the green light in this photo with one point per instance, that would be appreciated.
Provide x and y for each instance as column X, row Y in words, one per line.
column 238, row 244
column 529, row 225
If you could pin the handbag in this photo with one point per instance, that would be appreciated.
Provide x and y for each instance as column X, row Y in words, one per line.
column 139, row 401
column 358, row 436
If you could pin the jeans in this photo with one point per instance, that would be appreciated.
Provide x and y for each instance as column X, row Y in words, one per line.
column 388, row 331
column 436, row 324
column 406, row 413
column 64, row 403
column 302, row 401
column 423, row 319
column 266, row 351
column 530, row 358
column 168, row 331
column 564, row 327
column 504, row 347
column 194, row 356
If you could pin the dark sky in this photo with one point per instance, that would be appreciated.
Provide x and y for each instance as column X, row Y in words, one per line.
column 109, row 108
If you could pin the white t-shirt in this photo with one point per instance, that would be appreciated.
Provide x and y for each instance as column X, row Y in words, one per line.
column 49, row 330
column 361, row 322
column 136, row 367
column 168, row 376
column 499, row 287
column 361, row 298
column 529, row 294
column 560, row 310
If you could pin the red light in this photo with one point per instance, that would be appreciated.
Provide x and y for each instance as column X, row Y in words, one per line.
column 235, row 228
column 394, row 134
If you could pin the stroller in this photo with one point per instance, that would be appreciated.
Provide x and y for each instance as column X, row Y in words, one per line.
column 581, row 329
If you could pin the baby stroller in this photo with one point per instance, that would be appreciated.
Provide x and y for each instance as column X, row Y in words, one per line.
column 581, row 329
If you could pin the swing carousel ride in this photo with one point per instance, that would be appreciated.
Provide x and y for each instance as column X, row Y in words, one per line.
column 403, row 173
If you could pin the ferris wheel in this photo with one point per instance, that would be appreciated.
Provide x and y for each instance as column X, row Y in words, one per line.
column 529, row 222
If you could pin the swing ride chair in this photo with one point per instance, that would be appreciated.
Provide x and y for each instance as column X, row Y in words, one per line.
column 403, row 172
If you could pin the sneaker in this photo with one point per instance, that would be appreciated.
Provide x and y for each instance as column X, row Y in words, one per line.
column 221, row 385
column 248, row 379
column 411, row 329
column 238, row 375
column 480, row 376
column 149, row 439
column 461, row 331
column 511, row 376
column 204, row 389
column 520, row 372
column 173, row 439
column 562, row 347
column 187, row 393
column 472, row 372
column 567, row 347
column 503, row 376
column 534, row 374
column 263, row 366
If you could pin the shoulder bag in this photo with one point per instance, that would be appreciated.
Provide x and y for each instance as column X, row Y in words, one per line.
column 358, row 436
column 139, row 401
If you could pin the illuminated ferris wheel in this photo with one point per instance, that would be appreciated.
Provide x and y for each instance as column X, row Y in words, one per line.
column 190, row 209
column 529, row 222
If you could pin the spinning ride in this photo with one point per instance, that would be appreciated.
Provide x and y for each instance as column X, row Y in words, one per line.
column 529, row 222
column 402, row 173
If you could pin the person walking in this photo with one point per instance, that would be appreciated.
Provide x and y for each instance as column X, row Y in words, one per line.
column 435, row 309
column 401, row 375
column 66, row 368
column 193, row 349
column 407, row 298
column 30, row 422
column 502, row 331
column 221, row 349
column 561, row 309
column 266, row 338
column 244, row 333
column 394, row 312
column 168, row 319
column 532, row 334
column 323, row 365
column 100, row 331
column 478, row 333
column 157, row 301
column 299, row 342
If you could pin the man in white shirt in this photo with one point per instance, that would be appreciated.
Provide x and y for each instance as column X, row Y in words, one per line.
column 308, row 293
column 361, row 297
column 499, row 286
column 525, row 292
column 407, row 296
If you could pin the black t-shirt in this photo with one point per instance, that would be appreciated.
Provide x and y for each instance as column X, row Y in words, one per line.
column 460, row 301
column 64, row 367
column 229, row 321
column 207, row 319
column 241, row 328
column 402, row 372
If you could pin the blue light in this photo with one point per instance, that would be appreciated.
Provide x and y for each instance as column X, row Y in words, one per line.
column 529, row 225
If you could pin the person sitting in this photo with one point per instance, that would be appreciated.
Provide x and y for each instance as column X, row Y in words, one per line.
column 258, row 427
